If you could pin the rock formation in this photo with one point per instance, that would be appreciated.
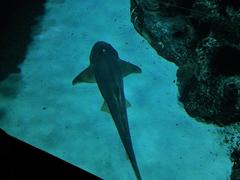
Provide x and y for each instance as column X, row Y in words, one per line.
column 202, row 37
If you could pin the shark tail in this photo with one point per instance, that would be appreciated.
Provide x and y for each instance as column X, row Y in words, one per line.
column 135, row 168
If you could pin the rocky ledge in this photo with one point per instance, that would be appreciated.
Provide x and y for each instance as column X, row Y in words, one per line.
column 202, row 37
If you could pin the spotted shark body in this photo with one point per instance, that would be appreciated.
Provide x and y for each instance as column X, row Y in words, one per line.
column 108, row 70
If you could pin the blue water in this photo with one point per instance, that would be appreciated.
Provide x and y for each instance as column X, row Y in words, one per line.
column 66, row 120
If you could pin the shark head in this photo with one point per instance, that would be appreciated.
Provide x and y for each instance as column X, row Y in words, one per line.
column 102, row 51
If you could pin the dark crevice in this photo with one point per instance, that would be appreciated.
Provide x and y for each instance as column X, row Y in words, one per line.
column 225, row 61
column 203, row 29
column 223, row 4
column 178, row 34
column 230, row 95
column 186, row 6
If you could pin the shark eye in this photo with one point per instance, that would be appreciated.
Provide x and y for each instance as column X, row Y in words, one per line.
column 104, row 50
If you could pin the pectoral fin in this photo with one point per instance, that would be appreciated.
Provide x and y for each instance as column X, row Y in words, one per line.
column 86, row 75
column 128, row 68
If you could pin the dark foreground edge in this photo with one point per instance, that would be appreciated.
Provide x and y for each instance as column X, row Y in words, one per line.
column 19, row 160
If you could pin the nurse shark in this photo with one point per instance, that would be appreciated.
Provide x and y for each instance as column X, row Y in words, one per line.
column 108, row 70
